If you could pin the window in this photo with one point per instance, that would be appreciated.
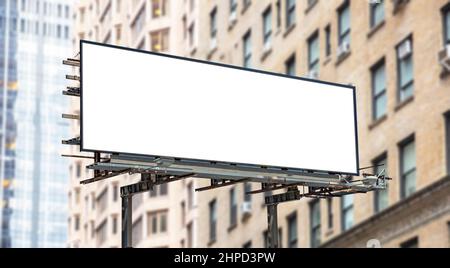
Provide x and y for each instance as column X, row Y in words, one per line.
column 163, row 222
column 233, row 7
column 247, row 3
column 59, row 9
column 66, row 31
column 247, row 50
column 22, row 25
column 163, row 189
column 77, row 222
column 446, row 18
column 328, row 40
column 183, row 213
column 190, row 197
column 213, row 23
column 114, row 224
column 247, row 188
column 102, row 200
column 118, row 5
column 233, row 207
column 330, row 212
column 212, row 220
column 290, row 66
column 290, row 13
column 152, row 223
column 292, row 230
column 267, row 26
column 411, row 243
column 405, row 70
column 379, row 96
column 344, row 23
column 191, row 34
column 278, row 5
column 447, row 134
column 158, row 8
column 78, row 169
column 315, row 223
column 118, row 33
column 138, row 23
column 347, row 211
column 376, row 13
column 248, row 244
column 381, row 197
column 190, row 235
column 66, row 11
column 313, row 53
column 407, row 167
column 101, row 232
column 160, row 40
column 136, row 231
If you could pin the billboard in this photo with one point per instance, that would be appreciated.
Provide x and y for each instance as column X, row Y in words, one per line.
column 145, row 103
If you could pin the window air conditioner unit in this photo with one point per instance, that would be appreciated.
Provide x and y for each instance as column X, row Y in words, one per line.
column 213, row 44
column 343, row 48
column 232, row 19
column 405, row 49
column 398, row 4
column 313, row 74
column 246, row 209
column 444, row 57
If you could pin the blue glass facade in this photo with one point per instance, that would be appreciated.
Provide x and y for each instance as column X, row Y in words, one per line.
column 8, row 94
column 36, row 211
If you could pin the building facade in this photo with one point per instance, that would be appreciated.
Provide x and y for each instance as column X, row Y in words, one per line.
column 395, row 53
column 35, row 215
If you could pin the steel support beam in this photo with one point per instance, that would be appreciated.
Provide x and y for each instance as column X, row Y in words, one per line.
column 272, row 230
column 127, row 203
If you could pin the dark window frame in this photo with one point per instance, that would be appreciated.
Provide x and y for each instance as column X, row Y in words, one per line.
column 233, row 208
column 267, row 35
column 290, row 13
column 445, row 11
column 247, row 57
column 405, row 142
column 292, row 243
column 344, row 211
column 327, row 30
column 372, row 10
column 401, row 88
column 213, row 23
column 314, row 227
column 313, row 37
column 375, row 97
column 212, row 220
column 340, row 10
column 410, row 243
column 291, row 61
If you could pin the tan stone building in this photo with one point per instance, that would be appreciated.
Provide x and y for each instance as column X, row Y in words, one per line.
column 387, row 49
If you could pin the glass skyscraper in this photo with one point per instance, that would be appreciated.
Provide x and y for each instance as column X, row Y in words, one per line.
column 35, row 202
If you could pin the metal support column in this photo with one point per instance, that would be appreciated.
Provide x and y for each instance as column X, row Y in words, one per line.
column 272, row 231
column 127, row 202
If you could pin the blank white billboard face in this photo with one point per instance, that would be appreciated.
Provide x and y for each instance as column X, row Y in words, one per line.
column 149, row 104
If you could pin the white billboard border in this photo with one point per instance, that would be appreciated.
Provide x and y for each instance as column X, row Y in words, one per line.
column 212, row 162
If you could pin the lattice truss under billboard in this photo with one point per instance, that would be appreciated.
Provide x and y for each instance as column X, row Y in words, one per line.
column 169, row 118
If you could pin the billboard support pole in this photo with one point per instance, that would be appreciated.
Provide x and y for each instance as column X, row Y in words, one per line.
column 127, row 202
column 272, row 230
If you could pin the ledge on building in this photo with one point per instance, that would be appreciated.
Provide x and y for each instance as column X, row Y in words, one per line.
column 444, row 73
column 232, row 227
column 289, row 30
column 311, row 6
column 211, row 242
column 375, row 29
column 342, row 57
column 327, row 60
column 377, row 122
column 404, row 103
column 266, row 54
column 420, row 196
